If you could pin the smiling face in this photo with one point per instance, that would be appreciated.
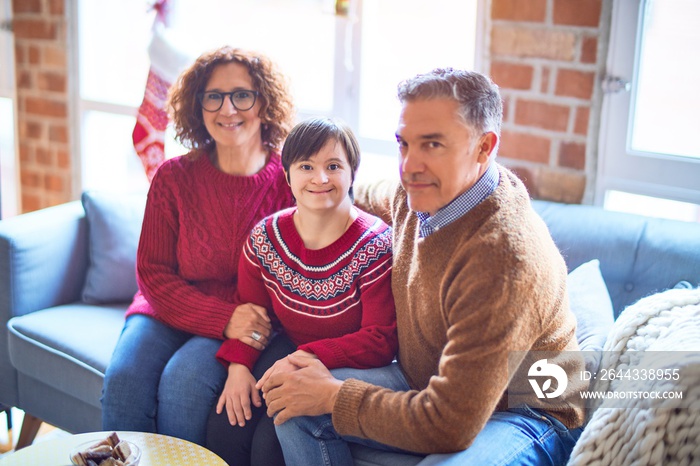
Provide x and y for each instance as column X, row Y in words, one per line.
column 441, row 157
column 322, row 182
column 231, row 128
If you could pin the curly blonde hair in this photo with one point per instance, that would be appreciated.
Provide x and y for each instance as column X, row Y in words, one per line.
column 276, row 109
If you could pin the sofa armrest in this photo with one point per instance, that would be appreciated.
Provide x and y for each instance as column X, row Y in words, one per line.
column 43, row 259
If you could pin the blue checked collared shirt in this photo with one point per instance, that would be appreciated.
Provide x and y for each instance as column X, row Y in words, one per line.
column 461, row 204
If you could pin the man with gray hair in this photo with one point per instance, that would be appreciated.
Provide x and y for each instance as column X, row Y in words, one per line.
column 477, row 278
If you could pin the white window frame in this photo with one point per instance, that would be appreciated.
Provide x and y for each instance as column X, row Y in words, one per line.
column 6, row 50
column 619, row 167
column 9, row 184
column 346, row 103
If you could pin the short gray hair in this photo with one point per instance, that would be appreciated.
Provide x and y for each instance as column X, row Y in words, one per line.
column 480, row 103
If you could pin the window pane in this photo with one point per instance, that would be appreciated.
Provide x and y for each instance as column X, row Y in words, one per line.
column 113, row 38
column 302, row 36
column 651, row 206
column 112, row 166
column 401, row 38
column 8, row 166
column 298, row 36
column 7, row 56
column 665, row 116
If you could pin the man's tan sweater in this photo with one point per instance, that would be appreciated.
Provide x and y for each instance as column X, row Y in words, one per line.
column 467, row 296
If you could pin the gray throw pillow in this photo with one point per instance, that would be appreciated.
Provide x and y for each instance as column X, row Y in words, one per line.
column 590, row 302
column 114, row 227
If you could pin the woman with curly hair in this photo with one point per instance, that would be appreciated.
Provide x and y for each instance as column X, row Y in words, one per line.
column 232, row 108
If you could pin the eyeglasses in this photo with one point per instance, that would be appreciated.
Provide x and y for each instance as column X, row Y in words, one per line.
column 241, row 99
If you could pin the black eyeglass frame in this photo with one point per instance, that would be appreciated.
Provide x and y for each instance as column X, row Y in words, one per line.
column 200, row 98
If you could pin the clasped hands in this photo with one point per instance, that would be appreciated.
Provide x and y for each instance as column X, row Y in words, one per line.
column 297, row 385
column 308, row 389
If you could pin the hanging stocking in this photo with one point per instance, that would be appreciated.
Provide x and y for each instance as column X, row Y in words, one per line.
column 152, row 119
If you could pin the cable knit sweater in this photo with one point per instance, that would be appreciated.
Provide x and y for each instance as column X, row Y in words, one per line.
column 334, row 302
column 467, row 296
column 196, row 221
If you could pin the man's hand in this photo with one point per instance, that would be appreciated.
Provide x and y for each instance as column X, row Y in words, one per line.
column 238, row 392
column 283, row 366
column 249, row 320
column 309, row 391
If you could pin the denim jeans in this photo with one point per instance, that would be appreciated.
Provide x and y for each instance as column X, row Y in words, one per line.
column 519, row 436
column 162, row 380
column 255, row 443
column 312, row 440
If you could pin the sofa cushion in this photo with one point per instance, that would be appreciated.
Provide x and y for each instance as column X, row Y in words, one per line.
column 114, row 227
column 590, row 302
column 67, row 347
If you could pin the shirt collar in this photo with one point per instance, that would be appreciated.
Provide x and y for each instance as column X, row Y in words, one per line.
column 461, row 204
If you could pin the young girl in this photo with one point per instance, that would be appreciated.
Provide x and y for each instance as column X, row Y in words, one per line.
column 322, row 269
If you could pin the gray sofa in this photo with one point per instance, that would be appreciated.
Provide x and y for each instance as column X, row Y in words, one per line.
column 56, row 336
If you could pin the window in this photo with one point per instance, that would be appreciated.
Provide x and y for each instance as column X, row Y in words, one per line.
column 112, row 69
column 8, row 165
column 345, row 66
column 649, row 148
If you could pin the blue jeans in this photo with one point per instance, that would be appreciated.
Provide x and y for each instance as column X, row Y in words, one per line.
column 255, row 443
column 519, row 436
column 162, row 380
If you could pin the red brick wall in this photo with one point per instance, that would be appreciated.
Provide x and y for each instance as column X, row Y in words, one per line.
column 42, row 100
column 544, row 56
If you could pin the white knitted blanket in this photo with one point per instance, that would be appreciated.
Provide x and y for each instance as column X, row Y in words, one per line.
column 649, row 431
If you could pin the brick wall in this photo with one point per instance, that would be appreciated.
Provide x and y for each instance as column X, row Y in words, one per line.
column 543, row 53
column 544, row 56
column 41, row 50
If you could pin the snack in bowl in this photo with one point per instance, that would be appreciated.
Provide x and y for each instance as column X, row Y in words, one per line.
column 110, row 451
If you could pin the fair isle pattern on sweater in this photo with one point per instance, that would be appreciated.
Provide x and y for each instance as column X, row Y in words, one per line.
column 319, row 290
column 299, row 262
column 342, row 311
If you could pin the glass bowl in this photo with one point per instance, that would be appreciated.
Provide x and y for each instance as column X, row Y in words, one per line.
column 133, row 459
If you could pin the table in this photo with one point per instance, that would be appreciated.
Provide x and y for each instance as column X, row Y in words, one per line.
column 156, row 450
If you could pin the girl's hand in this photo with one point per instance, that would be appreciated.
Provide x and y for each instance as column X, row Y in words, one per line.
column 238, row 392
